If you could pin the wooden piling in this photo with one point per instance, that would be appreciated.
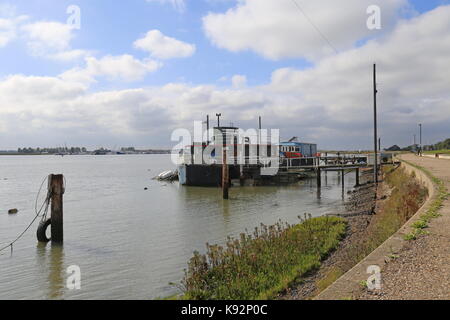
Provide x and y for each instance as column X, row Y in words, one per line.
column 319, row 178
column 357, row 177
column 225, row 178
column 56, row 185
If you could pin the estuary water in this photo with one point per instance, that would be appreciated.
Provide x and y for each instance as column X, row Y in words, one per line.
column 130, row 243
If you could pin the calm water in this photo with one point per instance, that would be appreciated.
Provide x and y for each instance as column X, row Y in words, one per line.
column 130, row 243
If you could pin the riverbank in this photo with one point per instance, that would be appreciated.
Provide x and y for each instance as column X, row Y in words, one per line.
column 353, row 284
column 421, row 268
column 259, row 265
column 372, row 217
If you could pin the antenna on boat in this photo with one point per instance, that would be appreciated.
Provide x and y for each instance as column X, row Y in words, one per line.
column 218, row 115
column 207, row 129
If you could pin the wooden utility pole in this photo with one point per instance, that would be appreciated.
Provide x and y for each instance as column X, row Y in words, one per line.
column 56, row 183
column 420, row 135
column 375, row 129
column 225, row 178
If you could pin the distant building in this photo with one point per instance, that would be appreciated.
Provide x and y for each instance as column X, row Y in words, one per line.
column 295, row 153
column 294, row 149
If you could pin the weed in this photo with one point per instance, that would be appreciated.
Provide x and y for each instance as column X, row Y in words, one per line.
column 260, row 265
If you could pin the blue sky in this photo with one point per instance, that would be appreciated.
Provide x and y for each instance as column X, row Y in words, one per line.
column 110, row 28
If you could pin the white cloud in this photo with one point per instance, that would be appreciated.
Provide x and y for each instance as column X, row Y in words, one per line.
column 8, row 28
column 69, row 55
column 164, row 47
column 124, row 67
column 53, row 35
column 330, row 102
column 52, row 40
column 277, row 29
column 239, row 81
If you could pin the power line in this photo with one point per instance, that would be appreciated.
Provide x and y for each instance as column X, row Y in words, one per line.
column 315, row 27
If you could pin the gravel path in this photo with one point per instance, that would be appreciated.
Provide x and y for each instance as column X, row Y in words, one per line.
column 421, row 270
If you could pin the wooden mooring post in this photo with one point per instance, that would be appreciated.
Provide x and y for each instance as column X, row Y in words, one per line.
column 319, row 178
column 56, row 185
column 225, row 178
column 357, row 177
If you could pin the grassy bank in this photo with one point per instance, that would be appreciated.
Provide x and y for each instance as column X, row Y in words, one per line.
column 406, row 197
column 419, row 226
column 260, row 265
column 444, row 151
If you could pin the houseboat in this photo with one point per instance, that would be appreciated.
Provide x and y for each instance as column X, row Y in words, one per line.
column 247, row 155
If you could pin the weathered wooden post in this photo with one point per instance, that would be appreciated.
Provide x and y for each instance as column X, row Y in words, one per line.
column 319, row 178
column 225, row 178
column 56, row 183
column 357, row 177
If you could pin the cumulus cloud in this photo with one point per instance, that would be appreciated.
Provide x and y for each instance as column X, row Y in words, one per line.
column 164, row 47
column 329, row 103
column 124, row 67
column 8, row 28
column 51, row 39
column 277, row 29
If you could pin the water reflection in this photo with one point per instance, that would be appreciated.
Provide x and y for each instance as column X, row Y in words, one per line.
column 133, row 243
column 51, row 263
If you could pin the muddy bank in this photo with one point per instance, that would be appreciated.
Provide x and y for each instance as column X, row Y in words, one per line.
column 360, row 209
column 373, row 216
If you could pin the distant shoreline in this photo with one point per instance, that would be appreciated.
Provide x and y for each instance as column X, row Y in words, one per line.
column 87, row 154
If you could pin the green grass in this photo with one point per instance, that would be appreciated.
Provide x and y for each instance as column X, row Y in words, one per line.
column 444, row 151
column 433, row 212
column 262, row 264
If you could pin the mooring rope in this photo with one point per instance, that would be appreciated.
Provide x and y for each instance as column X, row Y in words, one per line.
column 43, row 208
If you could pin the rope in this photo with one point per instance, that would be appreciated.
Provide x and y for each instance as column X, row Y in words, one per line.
column 43, row 208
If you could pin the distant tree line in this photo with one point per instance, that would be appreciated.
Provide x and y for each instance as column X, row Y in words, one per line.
column 52, row 150
column 443, row 145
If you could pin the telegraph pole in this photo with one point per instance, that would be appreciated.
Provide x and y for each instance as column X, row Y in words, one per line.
column 420, row 139
column 375, row 134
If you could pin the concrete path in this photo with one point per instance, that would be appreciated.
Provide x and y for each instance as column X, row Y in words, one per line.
column 422, row 269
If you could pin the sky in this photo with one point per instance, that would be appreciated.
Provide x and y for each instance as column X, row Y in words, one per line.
column 100, row 73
